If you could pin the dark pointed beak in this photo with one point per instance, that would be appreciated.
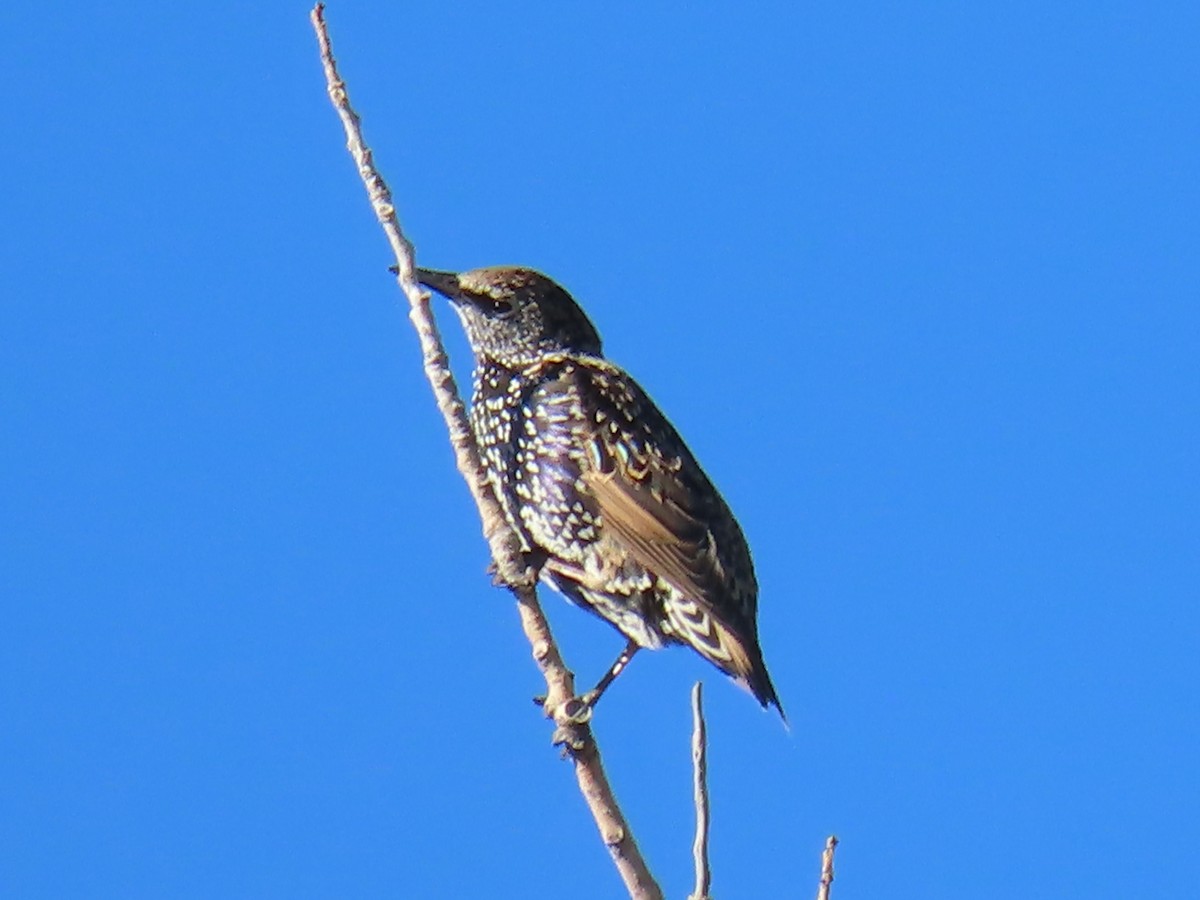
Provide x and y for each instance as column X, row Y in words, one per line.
column 445, row 283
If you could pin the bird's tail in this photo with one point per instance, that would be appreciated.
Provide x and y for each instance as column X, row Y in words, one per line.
column 740, row 659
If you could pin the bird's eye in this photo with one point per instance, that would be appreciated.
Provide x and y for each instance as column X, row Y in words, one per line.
column 501, row 308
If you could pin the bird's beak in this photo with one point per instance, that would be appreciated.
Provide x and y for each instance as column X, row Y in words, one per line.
column 445, row 283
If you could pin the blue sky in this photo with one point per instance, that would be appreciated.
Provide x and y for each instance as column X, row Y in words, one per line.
column 919, row 284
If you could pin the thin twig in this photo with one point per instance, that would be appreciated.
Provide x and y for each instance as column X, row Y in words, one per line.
column 700, row 795
column 827, row 868
column 505, row 547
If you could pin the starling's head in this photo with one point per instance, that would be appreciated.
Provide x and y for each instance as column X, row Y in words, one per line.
column 515, row 316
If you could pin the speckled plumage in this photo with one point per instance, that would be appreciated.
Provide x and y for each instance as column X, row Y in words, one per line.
column 593, row 477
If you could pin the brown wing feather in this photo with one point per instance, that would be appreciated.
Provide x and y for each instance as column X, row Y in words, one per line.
column 654, row 498
column 658, row 531
column 665, row 539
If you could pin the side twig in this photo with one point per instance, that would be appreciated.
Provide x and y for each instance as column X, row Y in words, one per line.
column 505, row 548
column 827, row 868
column 700, row 795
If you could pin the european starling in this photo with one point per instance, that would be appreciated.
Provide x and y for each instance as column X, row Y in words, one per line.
column 598, row 485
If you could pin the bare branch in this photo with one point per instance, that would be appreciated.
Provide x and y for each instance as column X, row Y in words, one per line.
column 506, row 551
column 700, row 795
column 827, row 868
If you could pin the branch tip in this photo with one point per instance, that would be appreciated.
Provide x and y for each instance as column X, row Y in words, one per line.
column 700, row 796
column 826, row 882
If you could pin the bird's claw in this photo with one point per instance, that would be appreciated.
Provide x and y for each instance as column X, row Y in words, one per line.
column 532, row 564
column 577, row 710
column 570, row 737
column 493, row 572
column 574, row 711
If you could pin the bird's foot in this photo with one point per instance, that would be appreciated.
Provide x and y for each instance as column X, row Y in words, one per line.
column 571, row 718
column 532, row 563
column 577, row 710
column 572, row 739
column 571, row 730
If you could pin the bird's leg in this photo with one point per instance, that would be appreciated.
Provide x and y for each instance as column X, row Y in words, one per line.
column 580, row 708
column 592, row 697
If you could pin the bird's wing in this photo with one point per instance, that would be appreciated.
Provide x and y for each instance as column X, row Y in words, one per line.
column 654, row 498
column 639, row 482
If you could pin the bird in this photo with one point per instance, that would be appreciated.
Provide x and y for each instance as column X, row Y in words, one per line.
column 596, row 482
